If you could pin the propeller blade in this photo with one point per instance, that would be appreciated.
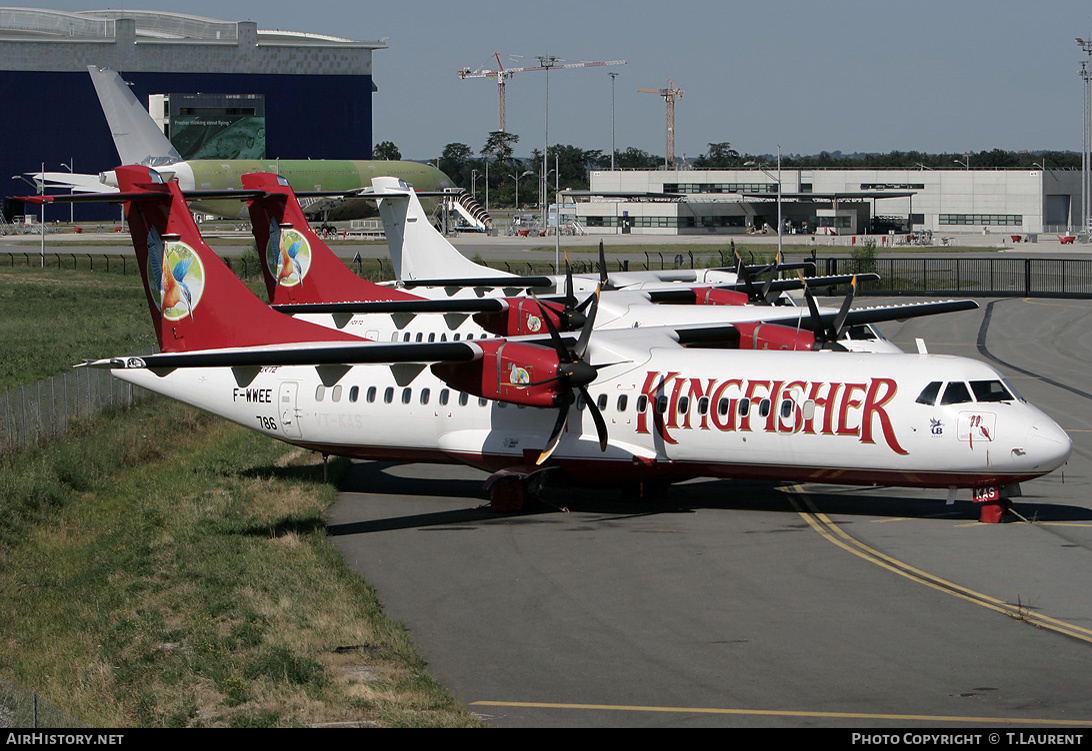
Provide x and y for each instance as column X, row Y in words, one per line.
column 602, row 265
column 589, row 324
column 555, row 434
column 769, row 280
column 813, row 308
column 745, row 275
column 840, row 320
column 597, row 417
column 555, row 337
column 570, row 298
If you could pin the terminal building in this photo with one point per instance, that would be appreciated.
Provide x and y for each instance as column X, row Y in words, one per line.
column 837, row 202
column 283, row 94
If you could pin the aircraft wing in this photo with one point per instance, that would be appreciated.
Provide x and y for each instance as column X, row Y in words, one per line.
column 881, row 313
column 728, row 334
column 334, row 353
column 686, row 296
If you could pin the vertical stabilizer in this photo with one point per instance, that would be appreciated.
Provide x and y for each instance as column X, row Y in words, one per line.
column 136, row 136
column 297, row 265
column 417, row 250
column 195, row 301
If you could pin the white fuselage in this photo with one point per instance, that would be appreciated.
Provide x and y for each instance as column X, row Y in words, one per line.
column 616, row 310
column 670, row 412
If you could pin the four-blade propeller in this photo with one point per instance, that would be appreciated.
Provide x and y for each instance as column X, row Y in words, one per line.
column 573, row 376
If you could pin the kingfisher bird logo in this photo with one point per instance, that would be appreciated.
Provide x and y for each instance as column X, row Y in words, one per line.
column 518, row 376
column 288, row 255
column 176, row 276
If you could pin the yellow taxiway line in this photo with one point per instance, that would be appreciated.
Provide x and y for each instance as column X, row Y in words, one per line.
column 783, row 713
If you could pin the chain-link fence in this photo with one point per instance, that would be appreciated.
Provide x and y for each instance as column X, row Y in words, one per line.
column 39, row 411
column 20, row 708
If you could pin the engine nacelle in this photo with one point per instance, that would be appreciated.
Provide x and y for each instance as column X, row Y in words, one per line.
column 522, row 318
column 714, row 296
column 504, row 373
column 759, row 335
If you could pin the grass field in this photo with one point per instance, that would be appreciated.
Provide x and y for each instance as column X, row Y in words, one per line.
column 162, row 567
column 166, row 568
column 51, row 320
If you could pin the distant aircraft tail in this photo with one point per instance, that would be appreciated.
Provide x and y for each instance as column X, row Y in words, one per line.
column 417, row 250
column 136, row 136
column 298, row 267
column 195, row 301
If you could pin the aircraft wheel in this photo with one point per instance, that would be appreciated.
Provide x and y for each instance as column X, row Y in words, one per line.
column 509, row 494
column 651, row 491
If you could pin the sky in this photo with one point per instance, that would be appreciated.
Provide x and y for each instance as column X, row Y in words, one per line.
column 957, row 76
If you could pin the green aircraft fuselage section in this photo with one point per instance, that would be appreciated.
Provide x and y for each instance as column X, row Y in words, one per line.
column 308, row 174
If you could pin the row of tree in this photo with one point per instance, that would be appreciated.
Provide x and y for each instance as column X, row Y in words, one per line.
column 497, row 163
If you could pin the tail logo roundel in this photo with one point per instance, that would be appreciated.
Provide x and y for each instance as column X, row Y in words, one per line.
column 288, row 255
column 176, row 277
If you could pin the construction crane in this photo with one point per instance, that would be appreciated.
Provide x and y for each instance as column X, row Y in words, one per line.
column 502, row 74
column 670, row 94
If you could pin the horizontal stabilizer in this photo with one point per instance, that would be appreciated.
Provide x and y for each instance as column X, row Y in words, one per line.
column 459, row 305
column 536, row 282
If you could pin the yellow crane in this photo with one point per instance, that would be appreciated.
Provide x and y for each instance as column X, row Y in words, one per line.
column 670, row 94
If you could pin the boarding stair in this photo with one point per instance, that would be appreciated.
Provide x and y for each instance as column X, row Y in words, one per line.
column 468, row 209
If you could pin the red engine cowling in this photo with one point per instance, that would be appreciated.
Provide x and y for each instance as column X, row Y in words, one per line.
column 504, row 372
column 759, row 335
column 714, row 296
column 522, row 318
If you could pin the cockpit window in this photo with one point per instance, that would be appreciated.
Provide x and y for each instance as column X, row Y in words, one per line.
column 956, row 393
column 990, row 391
column 928, row 395
column 863, row 332
column 1013, row 391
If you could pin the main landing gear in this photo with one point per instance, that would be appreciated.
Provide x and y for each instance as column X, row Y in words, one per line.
column 516, row 488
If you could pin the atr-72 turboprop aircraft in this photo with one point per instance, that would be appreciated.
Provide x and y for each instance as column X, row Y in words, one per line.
column 304, row 278
column 624, row 406
column 139, row 141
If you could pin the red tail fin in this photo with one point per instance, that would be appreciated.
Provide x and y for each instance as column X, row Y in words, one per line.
column 196, row 302
column 298, row 266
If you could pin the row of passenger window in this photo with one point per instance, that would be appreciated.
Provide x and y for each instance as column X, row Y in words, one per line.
column 956, row 392
column 432, row 337
column 424, row 397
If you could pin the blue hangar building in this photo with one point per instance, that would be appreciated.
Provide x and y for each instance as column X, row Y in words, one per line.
column 292, row 95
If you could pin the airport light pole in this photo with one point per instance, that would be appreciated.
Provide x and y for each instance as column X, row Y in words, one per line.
column 71, row 207
column 557, row 191
column 517, row 179
column 1086, row 148
column 966, row 164
column 547, row 62
column 41, row 191
column 612, row 77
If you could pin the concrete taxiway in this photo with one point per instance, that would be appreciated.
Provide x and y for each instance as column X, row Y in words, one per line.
column 753, row 604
